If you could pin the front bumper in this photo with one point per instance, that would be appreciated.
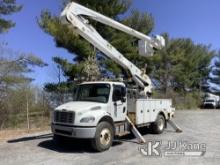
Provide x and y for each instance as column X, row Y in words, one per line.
column 73, row 131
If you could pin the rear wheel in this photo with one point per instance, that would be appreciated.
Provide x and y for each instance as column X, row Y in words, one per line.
column 159, row 125
column 103, row 137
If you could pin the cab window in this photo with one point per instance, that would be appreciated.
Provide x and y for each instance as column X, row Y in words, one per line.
column 119, row 93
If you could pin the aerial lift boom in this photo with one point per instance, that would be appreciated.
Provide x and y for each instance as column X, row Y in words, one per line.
column 75, row 14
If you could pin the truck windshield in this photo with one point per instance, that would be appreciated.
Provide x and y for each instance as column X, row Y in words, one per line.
column 93, row 92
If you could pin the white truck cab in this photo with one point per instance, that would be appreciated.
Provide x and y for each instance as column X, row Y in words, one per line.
column 99, row 112
column 93, row 101
column 210, row 102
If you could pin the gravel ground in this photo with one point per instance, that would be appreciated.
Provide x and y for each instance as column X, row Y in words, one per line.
column 198, row 127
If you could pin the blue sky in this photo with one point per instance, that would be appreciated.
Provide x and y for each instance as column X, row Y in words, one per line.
column 199, row 20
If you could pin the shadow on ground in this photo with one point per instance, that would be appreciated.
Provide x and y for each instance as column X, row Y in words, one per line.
column 82, row 145
column 44, row 136
column 76, row 145
column 72, row 146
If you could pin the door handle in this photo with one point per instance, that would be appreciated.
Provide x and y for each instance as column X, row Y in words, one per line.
column 124, row 109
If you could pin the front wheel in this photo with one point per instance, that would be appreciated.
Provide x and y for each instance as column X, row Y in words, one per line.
column 159, row 125
column 103, row 137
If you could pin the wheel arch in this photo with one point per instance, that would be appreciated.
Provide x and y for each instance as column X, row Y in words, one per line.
column 109, row 120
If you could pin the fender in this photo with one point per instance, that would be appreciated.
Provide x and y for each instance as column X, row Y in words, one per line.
column 98, row 114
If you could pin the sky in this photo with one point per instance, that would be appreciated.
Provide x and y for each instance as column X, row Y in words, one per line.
column 195, row 19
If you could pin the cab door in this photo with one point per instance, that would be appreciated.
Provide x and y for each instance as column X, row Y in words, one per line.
column 119, row 103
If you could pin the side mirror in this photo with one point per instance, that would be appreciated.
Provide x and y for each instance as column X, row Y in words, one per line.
column 74, row 92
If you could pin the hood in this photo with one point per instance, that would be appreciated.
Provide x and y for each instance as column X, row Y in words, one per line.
column 79, row 106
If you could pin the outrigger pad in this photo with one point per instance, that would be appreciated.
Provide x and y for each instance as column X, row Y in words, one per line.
column 175, row 126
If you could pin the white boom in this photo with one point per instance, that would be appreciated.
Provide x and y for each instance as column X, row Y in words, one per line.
column 74, row 13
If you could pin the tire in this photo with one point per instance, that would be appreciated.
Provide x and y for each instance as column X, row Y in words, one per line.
column 159, row 125
column 103, row 137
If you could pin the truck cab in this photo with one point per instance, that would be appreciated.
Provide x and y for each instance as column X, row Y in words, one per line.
column 92, row 101
column 210, row 102
column 99, row 110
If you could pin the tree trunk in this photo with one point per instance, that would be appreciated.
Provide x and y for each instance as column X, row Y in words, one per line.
column 27, row 111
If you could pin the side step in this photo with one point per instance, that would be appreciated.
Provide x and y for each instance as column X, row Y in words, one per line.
column 123, row 133
column 121, row 129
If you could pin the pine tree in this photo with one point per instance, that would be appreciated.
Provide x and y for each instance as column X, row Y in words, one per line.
column 7, row 7
column 181, row 65
column 213, row 81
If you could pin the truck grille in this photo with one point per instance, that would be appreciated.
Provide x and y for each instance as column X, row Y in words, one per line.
column 64, row 117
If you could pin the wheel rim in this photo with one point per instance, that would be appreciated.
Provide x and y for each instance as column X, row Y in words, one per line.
column 160, row 124
column 105, row 136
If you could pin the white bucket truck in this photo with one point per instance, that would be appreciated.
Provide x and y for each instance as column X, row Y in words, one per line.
column 104, row 109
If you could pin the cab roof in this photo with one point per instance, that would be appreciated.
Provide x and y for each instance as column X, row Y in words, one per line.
column 104, row 82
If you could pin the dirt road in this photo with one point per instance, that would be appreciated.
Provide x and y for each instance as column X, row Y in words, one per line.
column 199, row 128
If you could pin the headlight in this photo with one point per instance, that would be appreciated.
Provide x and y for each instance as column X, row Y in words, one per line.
column 89, row 119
